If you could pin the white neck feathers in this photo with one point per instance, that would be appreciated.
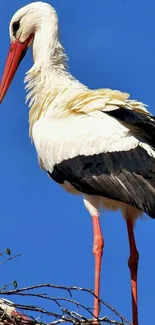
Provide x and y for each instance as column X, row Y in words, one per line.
column 48, row 77
column 47, row 49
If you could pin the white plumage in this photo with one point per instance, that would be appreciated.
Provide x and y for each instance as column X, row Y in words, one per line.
column 95, row 142
column 8, row 307
column 79, row 135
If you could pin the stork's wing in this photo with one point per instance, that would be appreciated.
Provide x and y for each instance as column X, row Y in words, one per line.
column 141, row 124
column 126, row 176
column 99, row 155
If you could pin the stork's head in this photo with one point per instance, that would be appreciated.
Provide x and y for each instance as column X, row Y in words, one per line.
column 24, row 26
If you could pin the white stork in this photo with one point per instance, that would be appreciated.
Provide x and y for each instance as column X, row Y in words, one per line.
column 9, row 310
column 97, row 143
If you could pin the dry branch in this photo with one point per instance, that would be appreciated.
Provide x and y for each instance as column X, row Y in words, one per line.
column 70, row 310
column 64, row 307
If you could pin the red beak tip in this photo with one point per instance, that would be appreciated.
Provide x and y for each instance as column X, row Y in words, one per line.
column 1, row 99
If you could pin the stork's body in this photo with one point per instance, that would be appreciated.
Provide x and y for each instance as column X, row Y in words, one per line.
column 97, row 143
column 9, row 310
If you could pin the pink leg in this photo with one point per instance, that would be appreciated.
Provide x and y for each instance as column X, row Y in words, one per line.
column 133, row 266
column 97, row 250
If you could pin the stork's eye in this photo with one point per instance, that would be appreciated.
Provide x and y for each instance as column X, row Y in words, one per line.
column 15, row 27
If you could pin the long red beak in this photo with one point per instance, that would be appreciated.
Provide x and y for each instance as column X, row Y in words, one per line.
column 16, row 53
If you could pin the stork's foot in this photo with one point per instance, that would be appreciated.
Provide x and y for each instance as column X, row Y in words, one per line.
column 98, row 251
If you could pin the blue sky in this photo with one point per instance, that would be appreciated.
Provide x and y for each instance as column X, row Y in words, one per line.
column 110, row 44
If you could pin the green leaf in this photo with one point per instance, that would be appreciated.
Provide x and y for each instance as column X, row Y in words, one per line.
column 15, row 284
column 8, row 251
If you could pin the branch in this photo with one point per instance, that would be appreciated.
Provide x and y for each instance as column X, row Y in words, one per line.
column 76, row 313
column 11, row 258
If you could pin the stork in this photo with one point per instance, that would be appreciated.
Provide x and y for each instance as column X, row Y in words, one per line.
column 98, row 143
column 8, row 309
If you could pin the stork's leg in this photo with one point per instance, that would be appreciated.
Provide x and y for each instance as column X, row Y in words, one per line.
column 92, row 204
column 97, row 250
column 133, row 266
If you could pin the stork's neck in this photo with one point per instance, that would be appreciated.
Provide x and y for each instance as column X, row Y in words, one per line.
column 47, row 49
column 48, row 78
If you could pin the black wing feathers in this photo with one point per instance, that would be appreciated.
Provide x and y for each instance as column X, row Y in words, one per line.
column 140, row 124
column 126, row 176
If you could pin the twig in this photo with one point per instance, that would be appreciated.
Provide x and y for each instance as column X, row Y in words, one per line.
column 55, row 299
column 65, row 315
column 11, row 258
column 69, row 289
column 46, row 285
